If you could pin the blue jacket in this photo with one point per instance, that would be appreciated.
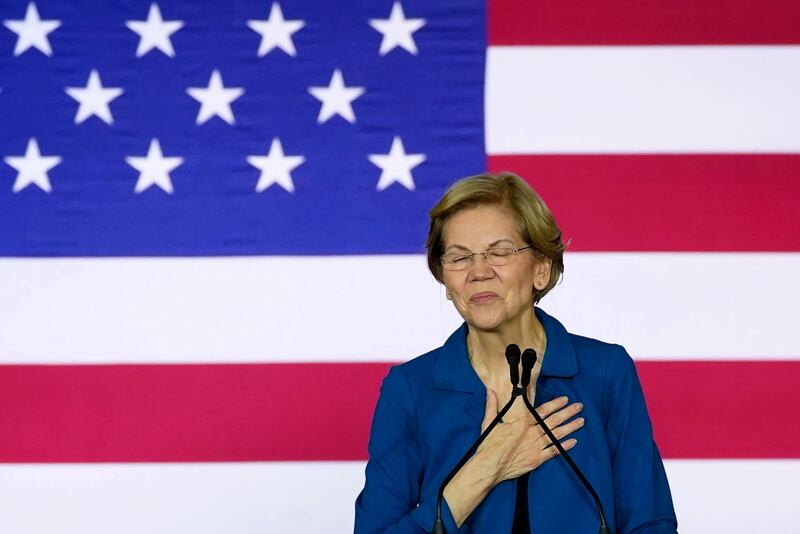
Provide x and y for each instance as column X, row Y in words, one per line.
column 430, row 411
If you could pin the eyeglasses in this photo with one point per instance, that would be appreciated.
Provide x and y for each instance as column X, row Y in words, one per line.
column 459, row 261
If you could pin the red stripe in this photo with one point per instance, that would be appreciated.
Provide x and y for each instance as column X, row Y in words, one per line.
column 724, row 409
column 649, row 22
column 712, row 203
column 140, row 413
column 284, row 412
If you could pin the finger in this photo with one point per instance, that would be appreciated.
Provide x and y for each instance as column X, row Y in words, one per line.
column 563, row 414
column 562, row 431
column 551, row 406
column 491, row 409
column 550, row 452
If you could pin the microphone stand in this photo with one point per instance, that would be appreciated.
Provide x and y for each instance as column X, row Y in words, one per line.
column 528, row 361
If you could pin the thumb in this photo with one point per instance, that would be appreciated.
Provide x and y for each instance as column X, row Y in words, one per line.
column 491, row 408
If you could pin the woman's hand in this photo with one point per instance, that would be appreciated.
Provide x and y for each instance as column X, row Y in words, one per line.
column 519, row 445
column 513, row 448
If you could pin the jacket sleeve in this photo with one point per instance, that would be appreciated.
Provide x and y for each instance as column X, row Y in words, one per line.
column 642, row 499
column 391, row 501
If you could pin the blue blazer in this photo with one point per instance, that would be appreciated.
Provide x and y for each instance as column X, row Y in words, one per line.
column 430, row 411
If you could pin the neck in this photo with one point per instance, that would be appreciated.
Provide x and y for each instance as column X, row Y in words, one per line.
column 487, row 348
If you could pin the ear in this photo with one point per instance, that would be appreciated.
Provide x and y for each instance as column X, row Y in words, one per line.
column 542, row 272
column 543, row 266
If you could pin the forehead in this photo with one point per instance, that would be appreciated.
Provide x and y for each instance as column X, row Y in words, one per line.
column 480, row 226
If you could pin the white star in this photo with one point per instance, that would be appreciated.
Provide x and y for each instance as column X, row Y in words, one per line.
column 215, row 99
column 32, row 31
column 275, row 167
column 94, row 99
column 276, row 31
column 154, row 32
column 336, row 98
column 32, row 167
column 396, row 166
column 154, row 169
column 397, row 30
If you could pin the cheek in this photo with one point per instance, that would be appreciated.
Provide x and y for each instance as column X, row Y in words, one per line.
column 456, row 286
column 452, row 281
column 521, row 283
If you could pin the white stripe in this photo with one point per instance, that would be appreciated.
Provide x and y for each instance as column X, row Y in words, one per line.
column 659, row 305
column 718, row 496
column 635, row 99
column 219, row 309
column 734, row 496
column 683, row 306
column 218, row 498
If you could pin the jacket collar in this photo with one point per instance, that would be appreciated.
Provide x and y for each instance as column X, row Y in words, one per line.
column 560, row 359
column 454, row 372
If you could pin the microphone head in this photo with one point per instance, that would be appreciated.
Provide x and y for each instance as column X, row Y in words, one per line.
column 529, row 358
column 528, row 361
column 512, row 357
column 512, row 351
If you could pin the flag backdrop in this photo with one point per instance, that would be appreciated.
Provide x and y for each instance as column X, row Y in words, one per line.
column 212, row 217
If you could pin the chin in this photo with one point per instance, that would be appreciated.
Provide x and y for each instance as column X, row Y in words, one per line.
column 486, row 322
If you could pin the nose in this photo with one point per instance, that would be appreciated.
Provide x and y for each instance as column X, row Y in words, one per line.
column 481, row 269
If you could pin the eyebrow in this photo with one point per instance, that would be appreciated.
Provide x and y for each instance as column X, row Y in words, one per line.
column 492, row 244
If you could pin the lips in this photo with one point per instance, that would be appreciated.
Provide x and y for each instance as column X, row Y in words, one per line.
column 483, row 297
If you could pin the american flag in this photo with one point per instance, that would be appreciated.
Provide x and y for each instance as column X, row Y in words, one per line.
column 212, row 217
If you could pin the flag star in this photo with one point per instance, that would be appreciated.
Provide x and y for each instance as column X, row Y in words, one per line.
column 154, row 32
column 275, row 167
column 397, row 30
column 215, row 99
column 396, row 166
column 94, row 99
column 154, row 168
column 336, row 99
column 276, row 31
column 32, row 168
column 32, row 31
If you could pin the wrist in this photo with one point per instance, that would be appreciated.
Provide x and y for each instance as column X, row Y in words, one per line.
column 469, row 487
column 483, row 470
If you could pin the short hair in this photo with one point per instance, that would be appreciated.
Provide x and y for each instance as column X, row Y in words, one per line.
column 533, row 220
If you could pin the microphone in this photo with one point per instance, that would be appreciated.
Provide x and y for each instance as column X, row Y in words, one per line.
column 528, row 361
column 512, row 357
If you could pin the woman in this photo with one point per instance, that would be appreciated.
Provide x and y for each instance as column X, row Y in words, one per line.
column 497, row 249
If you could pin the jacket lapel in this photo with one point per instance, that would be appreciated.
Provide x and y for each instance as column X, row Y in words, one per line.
column 453, row 372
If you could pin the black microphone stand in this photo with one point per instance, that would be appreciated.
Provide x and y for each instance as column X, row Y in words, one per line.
column 528, row 361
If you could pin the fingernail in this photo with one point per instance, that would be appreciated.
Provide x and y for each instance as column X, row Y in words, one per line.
column 579, row 406
column 580, row 421
column 564, row 399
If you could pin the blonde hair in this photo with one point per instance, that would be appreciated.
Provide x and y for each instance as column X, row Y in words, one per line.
column 533, row 220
